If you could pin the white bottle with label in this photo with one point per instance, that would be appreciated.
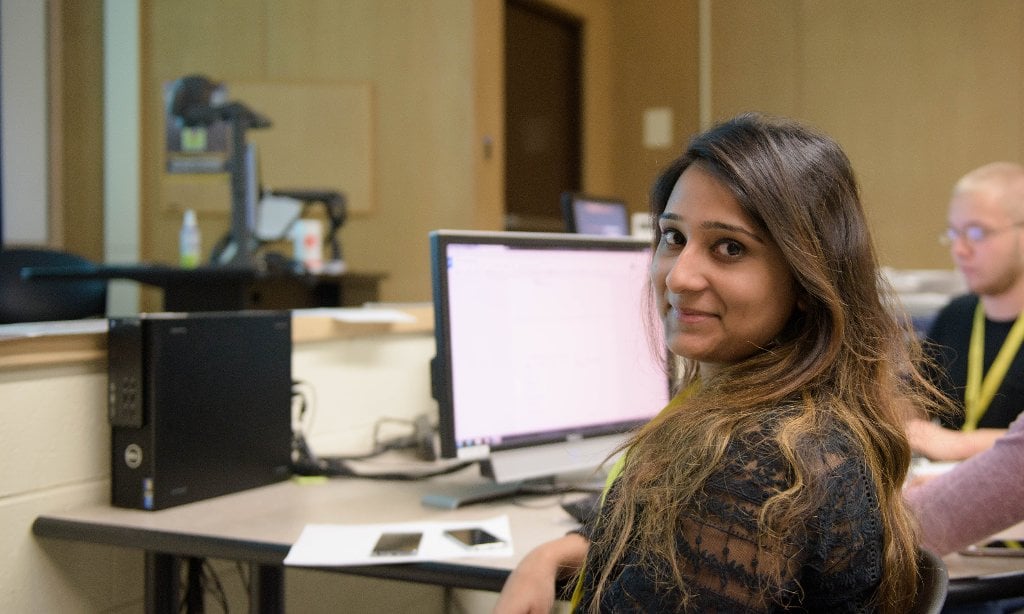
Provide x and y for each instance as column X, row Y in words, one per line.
column 189, row 241
column 308, row 247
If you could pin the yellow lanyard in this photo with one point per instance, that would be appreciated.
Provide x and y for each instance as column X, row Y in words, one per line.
column 613, row 474
column 980, row 390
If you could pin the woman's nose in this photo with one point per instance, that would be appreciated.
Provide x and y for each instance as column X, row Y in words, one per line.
column 686, row 273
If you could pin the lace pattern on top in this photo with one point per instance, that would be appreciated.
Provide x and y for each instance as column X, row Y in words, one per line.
column 832, row 562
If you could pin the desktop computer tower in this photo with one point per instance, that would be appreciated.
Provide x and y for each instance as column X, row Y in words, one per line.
column 199, row 405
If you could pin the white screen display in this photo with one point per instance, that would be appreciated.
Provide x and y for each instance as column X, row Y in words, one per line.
column 547, row 342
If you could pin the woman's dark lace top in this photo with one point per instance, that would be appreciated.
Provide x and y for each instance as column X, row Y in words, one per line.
column 835, row 557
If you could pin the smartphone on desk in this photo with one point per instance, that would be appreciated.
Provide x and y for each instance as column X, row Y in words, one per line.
column 397, row 544
column 475, row 538
column 996, row 547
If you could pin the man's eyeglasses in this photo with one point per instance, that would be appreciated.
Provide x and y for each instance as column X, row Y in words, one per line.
column 972, row 234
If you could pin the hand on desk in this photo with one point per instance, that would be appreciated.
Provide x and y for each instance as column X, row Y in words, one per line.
column 942, row 444
column 916, row 480
column 530, row 589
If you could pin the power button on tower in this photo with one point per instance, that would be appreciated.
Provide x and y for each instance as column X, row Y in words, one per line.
column 133, row 456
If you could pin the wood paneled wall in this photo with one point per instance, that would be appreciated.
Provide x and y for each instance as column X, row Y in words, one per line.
column 917, row 92
column 656, row 66
column 420, row 59
column 76, row 128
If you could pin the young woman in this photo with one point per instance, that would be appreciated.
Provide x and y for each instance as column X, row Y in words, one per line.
column 773, row 480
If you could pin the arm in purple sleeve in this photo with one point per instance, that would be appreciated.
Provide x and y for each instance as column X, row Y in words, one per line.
column 981, row 496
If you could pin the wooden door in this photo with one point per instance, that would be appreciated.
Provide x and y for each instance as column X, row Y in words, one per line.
column 542, row 114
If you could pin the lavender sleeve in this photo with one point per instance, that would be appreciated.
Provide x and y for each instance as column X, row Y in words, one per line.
column 981, row 496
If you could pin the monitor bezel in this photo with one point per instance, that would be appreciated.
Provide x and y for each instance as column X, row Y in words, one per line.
column 441, row 372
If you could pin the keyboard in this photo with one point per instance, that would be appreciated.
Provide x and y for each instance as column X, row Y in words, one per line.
column 583, row 509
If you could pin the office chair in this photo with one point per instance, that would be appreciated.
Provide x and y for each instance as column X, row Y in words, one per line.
column 933, row 583
column 980, row 590
column 41, row 300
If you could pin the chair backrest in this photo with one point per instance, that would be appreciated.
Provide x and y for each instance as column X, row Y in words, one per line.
column 41, row 300
column 933, row 583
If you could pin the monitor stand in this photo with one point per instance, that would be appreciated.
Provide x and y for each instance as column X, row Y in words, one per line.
column 454, row 496
column 527, row 470
column 457, row 494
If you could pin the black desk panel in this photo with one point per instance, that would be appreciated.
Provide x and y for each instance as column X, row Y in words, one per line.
column 227, row 288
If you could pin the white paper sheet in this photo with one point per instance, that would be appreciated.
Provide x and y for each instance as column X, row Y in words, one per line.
column 922, row 467
column 44, row 329
column 332, row 545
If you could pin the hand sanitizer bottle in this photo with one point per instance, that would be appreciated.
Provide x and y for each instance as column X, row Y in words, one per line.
column 189, row 241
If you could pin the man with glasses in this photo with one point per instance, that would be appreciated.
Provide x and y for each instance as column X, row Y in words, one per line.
column 977, row 337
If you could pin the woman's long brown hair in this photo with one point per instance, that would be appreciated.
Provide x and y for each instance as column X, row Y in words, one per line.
column 845, row 358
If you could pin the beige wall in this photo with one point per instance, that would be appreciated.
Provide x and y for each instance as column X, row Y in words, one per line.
column 917, row 93
column 76, row 127
column 420, row 61
column 436, row 73
column 55, row 456
column 657, row 54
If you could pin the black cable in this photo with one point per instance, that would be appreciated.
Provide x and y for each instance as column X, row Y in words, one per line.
column 210, row 576
column 305, row 462
column 344, row 470
column 243, row 576
column 381, row 446
column 304, row 395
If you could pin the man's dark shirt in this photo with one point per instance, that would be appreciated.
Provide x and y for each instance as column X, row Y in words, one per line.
column 948, row 341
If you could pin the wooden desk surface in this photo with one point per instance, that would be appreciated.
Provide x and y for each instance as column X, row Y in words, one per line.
column 260, row 525
column 961, row 566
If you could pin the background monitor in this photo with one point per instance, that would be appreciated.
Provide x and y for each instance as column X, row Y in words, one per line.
column 595, row 216
column 544, row 360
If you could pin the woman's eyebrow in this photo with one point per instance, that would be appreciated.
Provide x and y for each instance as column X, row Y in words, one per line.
column 716, row 225
column 713, row 225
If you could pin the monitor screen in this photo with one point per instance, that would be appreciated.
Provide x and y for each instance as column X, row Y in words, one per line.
column 542, row 349
column 595, row 216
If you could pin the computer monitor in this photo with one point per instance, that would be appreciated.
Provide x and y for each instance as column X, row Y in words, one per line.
column 595, row 216
column 544, row 361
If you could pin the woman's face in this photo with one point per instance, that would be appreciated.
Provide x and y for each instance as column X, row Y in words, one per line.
column 723, row 288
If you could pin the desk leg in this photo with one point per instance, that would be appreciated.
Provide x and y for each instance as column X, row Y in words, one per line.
column 161, row 583
column 266, row 589
column 194, row 592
